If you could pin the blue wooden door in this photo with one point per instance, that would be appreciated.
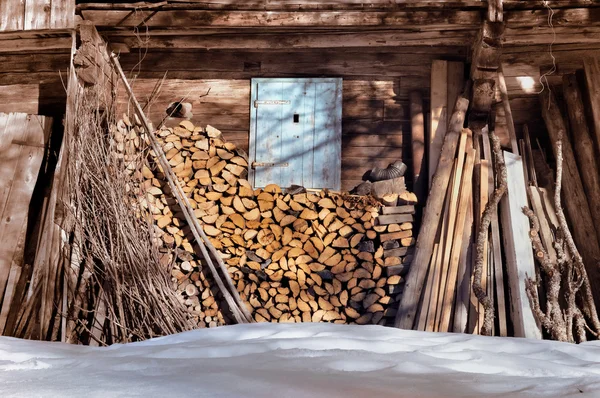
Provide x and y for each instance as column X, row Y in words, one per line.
column 295, row 132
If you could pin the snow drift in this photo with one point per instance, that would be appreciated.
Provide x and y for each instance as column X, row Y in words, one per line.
column 302, row 360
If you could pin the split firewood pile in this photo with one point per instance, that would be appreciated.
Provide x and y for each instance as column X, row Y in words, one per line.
column 293, row 255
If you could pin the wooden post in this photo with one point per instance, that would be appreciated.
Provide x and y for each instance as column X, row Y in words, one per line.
column 405, row 316
column 510, row 124
column 418, row 145
column 574, row 197
column 591, row 67
column 584, row 145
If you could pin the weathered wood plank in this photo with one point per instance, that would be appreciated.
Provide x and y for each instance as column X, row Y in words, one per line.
column 438, row 114
column 591, row 67
column 406, row 209
column 274, row 42
column 298, row 18
column 519, row 255
column 394, row 219
column 21, row 152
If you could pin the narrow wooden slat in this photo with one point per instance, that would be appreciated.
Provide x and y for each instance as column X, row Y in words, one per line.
column 428, row 290
column 519, row 255
column 537, row 204
column 416, row 276
column 461, row 306
column 438, row 116
column 458, row 232
column 442, row 235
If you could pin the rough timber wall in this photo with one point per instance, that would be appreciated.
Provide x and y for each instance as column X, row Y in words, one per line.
column 375, row 117
column 31, row 83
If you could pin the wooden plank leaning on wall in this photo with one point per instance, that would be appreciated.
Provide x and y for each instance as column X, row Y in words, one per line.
column 22, row 141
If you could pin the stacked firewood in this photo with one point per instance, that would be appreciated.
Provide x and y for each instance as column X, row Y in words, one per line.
column 294, row 255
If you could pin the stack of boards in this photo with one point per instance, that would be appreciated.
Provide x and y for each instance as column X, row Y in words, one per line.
column 315, row 256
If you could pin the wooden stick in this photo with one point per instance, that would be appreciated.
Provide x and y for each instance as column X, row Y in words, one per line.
column 405, row 317
column 496, row 247
column 483, row 200
column 232, row 297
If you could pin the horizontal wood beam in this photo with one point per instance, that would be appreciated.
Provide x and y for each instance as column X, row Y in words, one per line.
column 333, row 5
column 36, row 44
column 251, row 19
column 178, row 18
column 282, row 42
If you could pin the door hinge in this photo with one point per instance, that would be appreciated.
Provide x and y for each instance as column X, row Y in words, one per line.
column 271, row 102
column 268, row 164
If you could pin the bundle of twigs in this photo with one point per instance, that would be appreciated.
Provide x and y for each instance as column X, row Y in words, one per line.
column 123, row 291
column 567, row 310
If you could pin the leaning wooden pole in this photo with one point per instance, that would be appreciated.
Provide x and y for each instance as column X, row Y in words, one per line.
column 405, row 316
column 230, row 293
column 418, row 145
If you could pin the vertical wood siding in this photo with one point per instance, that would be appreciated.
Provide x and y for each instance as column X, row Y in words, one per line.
column 18, row 15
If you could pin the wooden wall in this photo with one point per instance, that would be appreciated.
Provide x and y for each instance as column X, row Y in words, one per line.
column 23, row 15
column 375, row 120
column 31, row 83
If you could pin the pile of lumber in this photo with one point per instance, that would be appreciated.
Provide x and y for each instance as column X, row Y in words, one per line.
column 294, row 255
column 448, row 303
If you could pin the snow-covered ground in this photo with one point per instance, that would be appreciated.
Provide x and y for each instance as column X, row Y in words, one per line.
column 302, row 360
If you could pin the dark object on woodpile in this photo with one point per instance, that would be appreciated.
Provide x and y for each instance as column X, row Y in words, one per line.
column 180, row 109
column 363, row 189
column 295, row 189
column 394, row 170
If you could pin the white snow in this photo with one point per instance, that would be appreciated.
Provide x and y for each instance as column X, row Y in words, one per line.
column 303, row 360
